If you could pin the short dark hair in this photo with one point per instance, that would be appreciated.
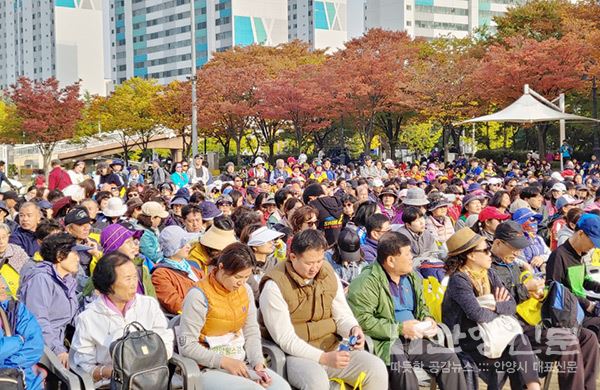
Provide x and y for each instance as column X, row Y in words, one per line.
column 105, row 273
column 46, row 228
column 56, row 247
column 390, row 244
column 236, row 257
column 101, row 195
column 190, row 209
column 375, row 222
column 223, row 222
column 281, row 196
column 364, row 211
column 411, row 213
column 307, row 240
column 244, row 216
column 530, row 192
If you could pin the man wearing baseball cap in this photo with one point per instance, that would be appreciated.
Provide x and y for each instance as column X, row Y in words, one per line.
column 78, row 224
column 565, row 265
column 579, row 350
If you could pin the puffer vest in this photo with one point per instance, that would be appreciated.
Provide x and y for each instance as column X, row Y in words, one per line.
column 227, row 311
column 310, row 305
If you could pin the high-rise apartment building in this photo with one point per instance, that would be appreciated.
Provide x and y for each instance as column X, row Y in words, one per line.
column 80, row 49
column 434, row 18
column 60, row 38
column 151, row 38
column 27, row 33
column 322, row 24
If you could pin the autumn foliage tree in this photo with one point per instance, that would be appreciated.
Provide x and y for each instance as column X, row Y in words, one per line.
column 47, row 113
column 442, row 74
column 550, row 67
column 302, row 99
column 373, row 78
column 172, row 108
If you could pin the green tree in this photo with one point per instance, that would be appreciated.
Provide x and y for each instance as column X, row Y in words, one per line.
column 128, row 112
column 421, row 137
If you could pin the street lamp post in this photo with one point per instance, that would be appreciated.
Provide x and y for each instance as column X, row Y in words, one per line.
column 193, row 75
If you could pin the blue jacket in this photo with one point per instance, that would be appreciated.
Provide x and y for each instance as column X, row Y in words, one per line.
column 370, row 250
column 16, row 353
column 149, row 246
column 26, row 240
column 180, row 180
column 53, row 301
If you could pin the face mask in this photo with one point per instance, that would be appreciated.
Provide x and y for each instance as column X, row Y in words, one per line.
column 530, row 226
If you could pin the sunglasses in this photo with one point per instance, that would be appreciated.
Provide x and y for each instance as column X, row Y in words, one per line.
column 311, row 223
column 485, row 251
column 224, row 204
column 185, row 166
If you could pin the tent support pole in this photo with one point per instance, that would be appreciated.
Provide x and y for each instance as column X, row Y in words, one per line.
column 561, row 102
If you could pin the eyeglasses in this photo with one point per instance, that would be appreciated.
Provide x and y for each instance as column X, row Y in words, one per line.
column 133, row 195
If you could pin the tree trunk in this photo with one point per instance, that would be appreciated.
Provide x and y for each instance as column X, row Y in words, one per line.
column 298, row 136
column 226, row 147
column 368, row 138
column 271, row 150
column 445, row 142
column 46, row 152
column 238, row 149
column 541, row 138
column 455, row 133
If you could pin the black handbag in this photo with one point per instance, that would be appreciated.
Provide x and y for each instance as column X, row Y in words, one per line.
column 139, row 360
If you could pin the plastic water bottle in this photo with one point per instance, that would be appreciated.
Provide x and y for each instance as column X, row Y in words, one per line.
column 348, row 344
column 280, row 251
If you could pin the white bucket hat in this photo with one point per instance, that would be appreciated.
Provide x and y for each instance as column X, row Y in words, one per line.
column 114, row 208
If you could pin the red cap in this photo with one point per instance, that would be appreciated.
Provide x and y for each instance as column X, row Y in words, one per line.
column 491, row 212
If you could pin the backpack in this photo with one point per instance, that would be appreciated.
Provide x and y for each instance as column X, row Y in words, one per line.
column 11, row 378
column 139, row 360
column 561, row 309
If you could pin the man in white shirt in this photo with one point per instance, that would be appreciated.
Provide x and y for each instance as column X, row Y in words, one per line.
column 198, row 173
column 305, row 312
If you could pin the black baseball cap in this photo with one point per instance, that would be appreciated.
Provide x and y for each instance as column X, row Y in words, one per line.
column 77, row 216
column 10, row 195
column 349, row 245
column 512, row 233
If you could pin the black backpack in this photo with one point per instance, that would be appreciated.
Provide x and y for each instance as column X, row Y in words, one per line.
column 561, row 309
column 139, row 360
column 11, row 378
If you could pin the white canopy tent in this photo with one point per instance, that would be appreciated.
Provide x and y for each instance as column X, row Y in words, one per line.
column 532, row 108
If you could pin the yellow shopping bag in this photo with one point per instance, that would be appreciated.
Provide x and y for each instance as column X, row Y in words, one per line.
column 531, row 309
column 433, row 293
column 357, row 385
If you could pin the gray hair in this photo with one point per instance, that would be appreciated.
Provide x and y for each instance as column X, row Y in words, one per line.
column 5, row 227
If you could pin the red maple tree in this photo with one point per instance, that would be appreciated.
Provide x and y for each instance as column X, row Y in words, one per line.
column 47, row 113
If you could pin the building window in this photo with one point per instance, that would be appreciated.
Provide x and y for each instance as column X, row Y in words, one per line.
column 408, row 23
column 408, row 7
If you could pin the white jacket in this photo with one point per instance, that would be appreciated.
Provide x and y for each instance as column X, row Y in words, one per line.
column 204, row 177
column 98, row 326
